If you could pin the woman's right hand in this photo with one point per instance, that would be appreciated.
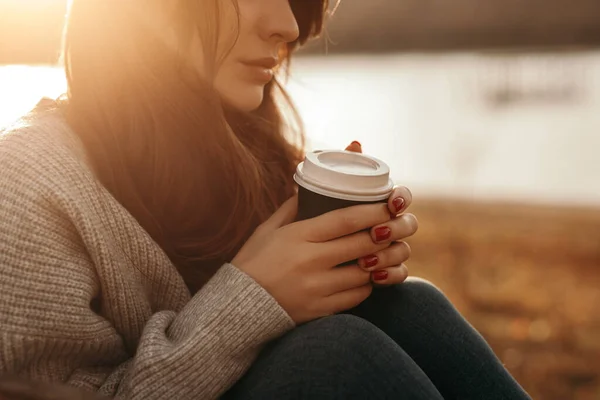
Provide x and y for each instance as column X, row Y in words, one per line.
column 296, row 262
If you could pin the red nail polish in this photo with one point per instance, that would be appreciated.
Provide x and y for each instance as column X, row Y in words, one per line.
column 380, row 275
column 371, row 261
column 398, row 203
column 382, row 233
column 357, row 143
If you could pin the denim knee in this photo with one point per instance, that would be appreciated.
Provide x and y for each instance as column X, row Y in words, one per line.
column 413, row 290
column 337, row 357
column 339, row 341
column 336, row 350
column 416, row 301
column 348, row 330
column 425, row 292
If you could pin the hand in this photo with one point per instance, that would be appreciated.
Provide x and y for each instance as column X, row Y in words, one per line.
column 296, row 262
column 387, row 266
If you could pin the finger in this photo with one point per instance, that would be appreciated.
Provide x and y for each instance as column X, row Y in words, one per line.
column 395, row 254
column 398, row 228
column 348, row 248
column 344, row 222
column 355, row 147
column 390, row 275
column 346, row 300
column 286, row 214
column 344, row 278
column 399, row 200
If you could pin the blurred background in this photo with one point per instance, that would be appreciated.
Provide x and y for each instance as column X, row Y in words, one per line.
column 490, row 112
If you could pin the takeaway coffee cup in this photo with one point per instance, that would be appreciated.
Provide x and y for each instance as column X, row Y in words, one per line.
column 333, row 179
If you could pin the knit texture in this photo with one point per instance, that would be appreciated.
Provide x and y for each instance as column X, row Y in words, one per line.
column 89, row 299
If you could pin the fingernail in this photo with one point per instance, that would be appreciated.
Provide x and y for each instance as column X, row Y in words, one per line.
column 382, row 233
column 356, row 143
column 371, row 261
column 380, row 275
column 398, row 203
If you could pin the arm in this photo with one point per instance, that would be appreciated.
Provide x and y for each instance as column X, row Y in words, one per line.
column 50, row 330
column 203, row 350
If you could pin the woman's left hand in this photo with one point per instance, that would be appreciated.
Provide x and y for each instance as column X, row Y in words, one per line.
column 387, row 266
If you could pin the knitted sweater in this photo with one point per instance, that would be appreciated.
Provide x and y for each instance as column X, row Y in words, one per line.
column 89, row 299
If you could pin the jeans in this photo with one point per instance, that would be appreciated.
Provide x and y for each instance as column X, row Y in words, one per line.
column 405, row 342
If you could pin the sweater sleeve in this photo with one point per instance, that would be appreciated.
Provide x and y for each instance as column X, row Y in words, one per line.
column 46, row 329
column 199, row 352
column 51, row 330
column 203, row 350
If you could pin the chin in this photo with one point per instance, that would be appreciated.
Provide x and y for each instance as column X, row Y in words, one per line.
column 246, row 98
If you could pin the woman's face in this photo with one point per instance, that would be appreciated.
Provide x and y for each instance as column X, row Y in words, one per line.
column 249, row 40
column 264, row 27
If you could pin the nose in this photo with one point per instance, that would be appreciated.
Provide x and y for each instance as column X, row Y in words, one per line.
column 279, row 23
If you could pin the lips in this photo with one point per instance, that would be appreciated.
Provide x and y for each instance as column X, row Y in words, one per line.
column 266, row 62
column 261, row 69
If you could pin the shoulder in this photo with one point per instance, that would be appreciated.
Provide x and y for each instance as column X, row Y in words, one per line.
column 44, row 260
column 41, row 156
column 45, row 190
column 45, row 185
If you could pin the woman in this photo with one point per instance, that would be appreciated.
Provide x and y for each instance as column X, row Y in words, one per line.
column 148, row 249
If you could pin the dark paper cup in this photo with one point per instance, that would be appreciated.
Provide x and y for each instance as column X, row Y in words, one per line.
column 334, row 179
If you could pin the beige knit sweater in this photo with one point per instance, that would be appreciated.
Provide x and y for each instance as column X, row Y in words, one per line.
column 87, row 298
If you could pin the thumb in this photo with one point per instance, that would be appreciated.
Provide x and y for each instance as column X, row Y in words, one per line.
column 355, row 147
column 286, row 214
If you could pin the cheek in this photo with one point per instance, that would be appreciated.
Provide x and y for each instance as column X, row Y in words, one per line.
column 237, row 91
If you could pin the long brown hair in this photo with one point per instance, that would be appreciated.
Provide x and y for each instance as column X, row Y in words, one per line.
column 197, row 177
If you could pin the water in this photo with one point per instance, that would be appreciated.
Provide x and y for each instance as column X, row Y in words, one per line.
column 504, row 127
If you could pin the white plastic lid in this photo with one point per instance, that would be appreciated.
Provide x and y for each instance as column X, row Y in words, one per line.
column 345, row 175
